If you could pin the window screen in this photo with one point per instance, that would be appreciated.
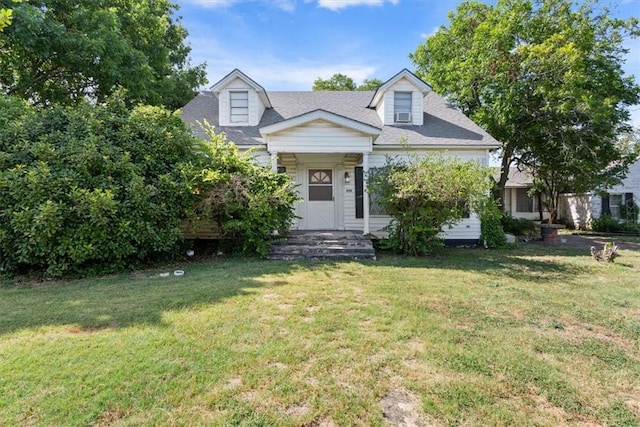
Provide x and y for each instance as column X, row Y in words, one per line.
column 402, row 102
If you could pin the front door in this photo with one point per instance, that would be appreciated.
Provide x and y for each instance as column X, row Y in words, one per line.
column 321, row 212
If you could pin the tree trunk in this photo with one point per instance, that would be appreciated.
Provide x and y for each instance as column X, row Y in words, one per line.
column 504, row 175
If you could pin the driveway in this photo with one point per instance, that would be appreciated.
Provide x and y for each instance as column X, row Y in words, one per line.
column 586, row 241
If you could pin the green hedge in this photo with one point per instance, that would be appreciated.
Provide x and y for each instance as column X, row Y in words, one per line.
column 95, row 188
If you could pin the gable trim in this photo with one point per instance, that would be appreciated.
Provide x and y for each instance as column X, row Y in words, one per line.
column 415, row 80
column 236, row 73
column 320, row 115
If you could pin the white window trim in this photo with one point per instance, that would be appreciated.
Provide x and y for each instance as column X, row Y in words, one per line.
column 231, row 107
column 396, row 110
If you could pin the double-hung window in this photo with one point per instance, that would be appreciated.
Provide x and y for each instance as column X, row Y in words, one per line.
column 402, row 107
column 239, row 107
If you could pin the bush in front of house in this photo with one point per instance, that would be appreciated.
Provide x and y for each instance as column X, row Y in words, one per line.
column 90, row 188
column 492, row 234
column 517, row 226
column 246, row 200
column 423, row 195
column 607, row 224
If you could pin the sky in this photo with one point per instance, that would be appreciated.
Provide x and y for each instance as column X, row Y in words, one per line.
column 287, row 44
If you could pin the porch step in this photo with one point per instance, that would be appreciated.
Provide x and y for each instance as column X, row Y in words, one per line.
column 323, row 245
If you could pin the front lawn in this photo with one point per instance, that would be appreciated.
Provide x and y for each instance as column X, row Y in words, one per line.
column 533, row 336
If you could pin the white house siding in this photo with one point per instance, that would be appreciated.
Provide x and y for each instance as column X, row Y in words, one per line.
column 260, row 155
column 467, row 229
column 319, row 136
column 577, row 209
column 580, row 209
column 256, row 108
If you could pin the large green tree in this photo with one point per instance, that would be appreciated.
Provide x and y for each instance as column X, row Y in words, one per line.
column 545, row 78
column 6, row 16
column 63, row 51
column 343, row 82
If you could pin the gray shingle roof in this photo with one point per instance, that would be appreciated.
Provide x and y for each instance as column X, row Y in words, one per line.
column 443, row 124
column 516, row 178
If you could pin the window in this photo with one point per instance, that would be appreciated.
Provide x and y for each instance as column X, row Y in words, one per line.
column 524, row 202
column 239, row 107
column 375, row 206
column 282, row 169
column 320, row 184
column 615, row 200
column 402, row 107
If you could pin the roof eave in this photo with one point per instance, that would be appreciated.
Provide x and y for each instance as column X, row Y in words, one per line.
column 320, row 115
column 417, row 81
column 236, row 73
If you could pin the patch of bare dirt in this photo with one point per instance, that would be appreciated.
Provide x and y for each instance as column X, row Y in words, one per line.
column 326, row 422
column 298, row 410
column 402, row 409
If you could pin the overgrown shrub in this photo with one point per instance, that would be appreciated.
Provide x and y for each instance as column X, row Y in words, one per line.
column 90, row 187
column 607, row 224
column 247, row 200
column 517, row 226
column 491, row 232
column 425, row 194
column 629, row 212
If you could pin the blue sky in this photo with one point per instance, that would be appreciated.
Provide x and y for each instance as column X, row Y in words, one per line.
column 287, row 44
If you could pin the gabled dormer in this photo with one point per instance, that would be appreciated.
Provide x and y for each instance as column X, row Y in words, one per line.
column 400, row 100
column 241, row 100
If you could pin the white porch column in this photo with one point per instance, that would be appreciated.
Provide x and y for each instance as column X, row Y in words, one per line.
column 365, row 192
column 274, row 161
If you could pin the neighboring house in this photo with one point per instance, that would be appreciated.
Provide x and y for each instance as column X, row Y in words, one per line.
column 328, row 141
column 517, row 200
column 579, row 210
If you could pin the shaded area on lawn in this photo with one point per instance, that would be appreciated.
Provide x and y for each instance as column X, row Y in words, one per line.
column 120, row 301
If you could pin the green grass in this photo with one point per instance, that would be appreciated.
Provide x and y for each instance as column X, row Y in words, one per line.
column 531, row 336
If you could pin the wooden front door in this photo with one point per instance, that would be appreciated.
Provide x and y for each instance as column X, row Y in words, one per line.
column 321, row 205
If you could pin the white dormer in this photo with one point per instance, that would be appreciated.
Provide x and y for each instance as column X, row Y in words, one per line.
column 399, row 101
column 242, row 101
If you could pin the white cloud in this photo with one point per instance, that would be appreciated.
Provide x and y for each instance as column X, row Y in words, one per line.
column 286, row 5
column 427, row 35
column 277, row 74
column 341, row 4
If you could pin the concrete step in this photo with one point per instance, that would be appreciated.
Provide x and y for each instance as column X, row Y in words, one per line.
column 323, row 245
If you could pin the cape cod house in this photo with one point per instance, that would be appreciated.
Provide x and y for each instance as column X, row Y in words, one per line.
column 328, row 141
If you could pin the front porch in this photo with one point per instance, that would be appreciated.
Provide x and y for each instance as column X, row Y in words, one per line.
column 331, row 189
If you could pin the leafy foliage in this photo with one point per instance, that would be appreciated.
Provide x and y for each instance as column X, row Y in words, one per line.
column 545, row 78
column 342, row 82
column 517, row 226
column 607, row 224
column 57, row 51
column 370, row 84
column 90, row 187
column 336, row 82
column 425, row 194
column 491, row 232
column 247, row 200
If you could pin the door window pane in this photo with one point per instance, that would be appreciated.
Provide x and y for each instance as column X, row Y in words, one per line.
column 320, row 193
column 320, row 185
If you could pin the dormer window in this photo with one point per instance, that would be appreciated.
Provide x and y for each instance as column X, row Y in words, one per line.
column 239, row 103
column 402, row 107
